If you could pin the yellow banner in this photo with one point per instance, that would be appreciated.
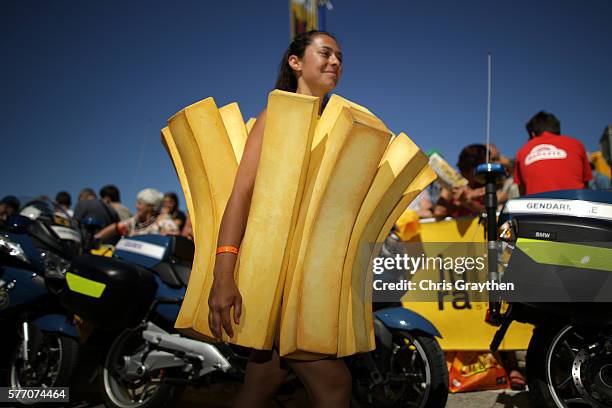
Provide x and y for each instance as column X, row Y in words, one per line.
column 460, row 320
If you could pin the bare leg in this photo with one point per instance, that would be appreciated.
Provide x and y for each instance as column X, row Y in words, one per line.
column 265, row 373
column 510, row 363
column 328, row 382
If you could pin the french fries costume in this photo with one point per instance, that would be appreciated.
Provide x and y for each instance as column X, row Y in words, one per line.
column 326, row 188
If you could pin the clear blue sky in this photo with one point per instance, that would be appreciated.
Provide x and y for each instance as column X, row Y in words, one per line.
column 87, row 85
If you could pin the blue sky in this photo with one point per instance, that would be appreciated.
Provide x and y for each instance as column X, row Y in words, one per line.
column 86, row 86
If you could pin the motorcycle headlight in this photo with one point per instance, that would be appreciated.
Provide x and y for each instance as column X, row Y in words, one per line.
column 12, row 248
column 55, row 266
column 55, row 271
column 507, row 239
column 507, row 231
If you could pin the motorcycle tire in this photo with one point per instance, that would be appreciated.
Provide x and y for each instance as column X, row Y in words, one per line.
column 552, row 360
column 433, row 371
column 54, row 346
column 438, row 393
column 115, row 391
column 64, row 347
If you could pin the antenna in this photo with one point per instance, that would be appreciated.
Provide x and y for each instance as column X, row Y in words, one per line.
column 488, row 107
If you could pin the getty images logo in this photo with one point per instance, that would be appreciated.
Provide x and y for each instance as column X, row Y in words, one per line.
column 545, row 152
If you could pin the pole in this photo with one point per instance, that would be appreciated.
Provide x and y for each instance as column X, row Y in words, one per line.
column 488, row 106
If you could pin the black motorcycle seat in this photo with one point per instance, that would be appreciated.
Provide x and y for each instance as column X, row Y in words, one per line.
column 166, row 273
column 182, row 272
column 183, row 249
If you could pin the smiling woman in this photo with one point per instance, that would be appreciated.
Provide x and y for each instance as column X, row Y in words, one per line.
column 314, row 58
column 312, row 65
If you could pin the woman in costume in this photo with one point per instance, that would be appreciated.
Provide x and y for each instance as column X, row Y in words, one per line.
column 312, row 65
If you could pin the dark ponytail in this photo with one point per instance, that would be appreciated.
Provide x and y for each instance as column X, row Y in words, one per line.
column 286, row 80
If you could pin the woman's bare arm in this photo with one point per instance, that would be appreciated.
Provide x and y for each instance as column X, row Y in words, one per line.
column 224, row 294
column 233, row 223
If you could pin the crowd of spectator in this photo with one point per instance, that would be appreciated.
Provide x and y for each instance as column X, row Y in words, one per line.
column 548, row 161
column 156, row 213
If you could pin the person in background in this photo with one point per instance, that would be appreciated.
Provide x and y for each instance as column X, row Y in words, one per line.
column 87, row 194
column 422, row 204
column 464, row 200
column 171, row 207
column 9, row 205
column 187, row 231
column 147, row 220
column 599, row 181
column 90, row 207
column 110, row 195
column 507, row 189
column 549, row 161
column 65, row 201
column 510, row 187
column 434, row 190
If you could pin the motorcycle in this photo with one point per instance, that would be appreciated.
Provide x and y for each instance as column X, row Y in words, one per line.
column 40, row 342
column 407, row 368
column 139, row 291
column 554, row 247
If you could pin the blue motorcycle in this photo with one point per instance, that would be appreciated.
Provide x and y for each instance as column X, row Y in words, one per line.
column 40, row 342
column 139, row 292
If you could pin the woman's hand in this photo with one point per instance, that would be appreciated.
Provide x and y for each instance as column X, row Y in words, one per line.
column 223, row 296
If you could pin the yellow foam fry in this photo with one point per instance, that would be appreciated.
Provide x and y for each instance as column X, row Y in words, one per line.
column 249, row 124
column 210, row 166
column 400, row 165
column 425, row 177
column 203, row 215
column 354, row 149
column 281, row 175
column 289, row 311
column 168, row 142
column 328, row 119
column 236, row 130
column 402, row 162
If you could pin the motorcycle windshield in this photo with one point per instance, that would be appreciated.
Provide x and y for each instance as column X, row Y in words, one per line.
column 54, row 216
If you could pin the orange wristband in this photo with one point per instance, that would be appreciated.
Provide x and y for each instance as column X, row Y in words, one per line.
column 227, row 248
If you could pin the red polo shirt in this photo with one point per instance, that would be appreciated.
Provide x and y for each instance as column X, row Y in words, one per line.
column 551, row 162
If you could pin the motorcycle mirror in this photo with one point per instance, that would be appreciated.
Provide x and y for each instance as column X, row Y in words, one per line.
column 18, row 224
